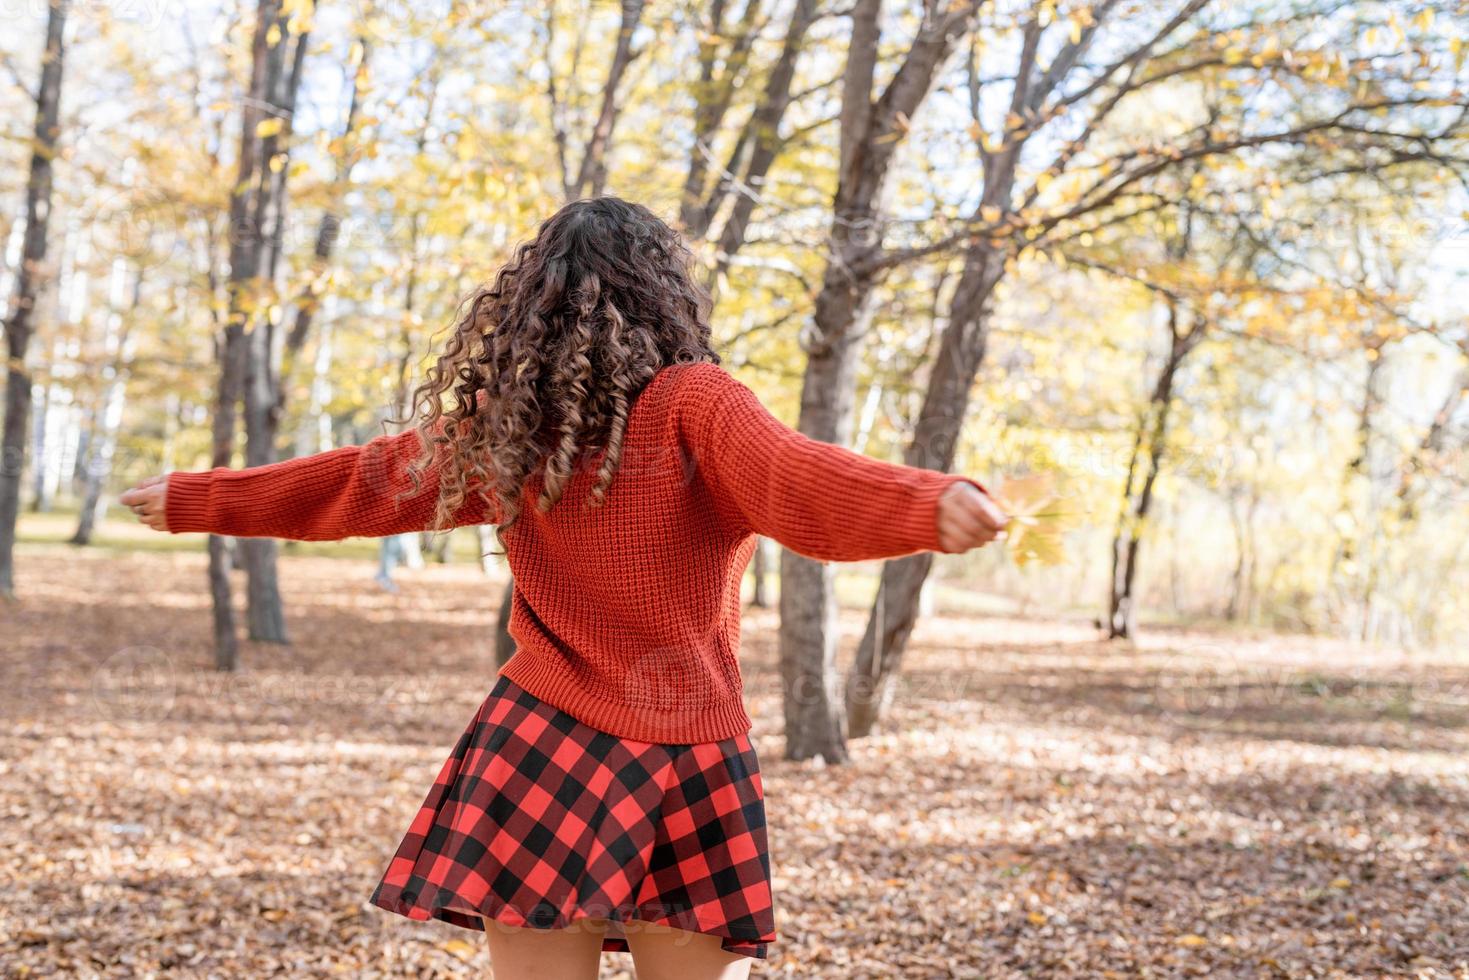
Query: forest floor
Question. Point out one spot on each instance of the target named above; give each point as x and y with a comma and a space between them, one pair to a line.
1039, 803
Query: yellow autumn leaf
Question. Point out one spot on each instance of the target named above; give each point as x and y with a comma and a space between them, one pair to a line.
269, 127
1038, 520
1036, 919
1191, 940
458, 947
990, 213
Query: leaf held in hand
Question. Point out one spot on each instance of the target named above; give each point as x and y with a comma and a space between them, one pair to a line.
1038, 523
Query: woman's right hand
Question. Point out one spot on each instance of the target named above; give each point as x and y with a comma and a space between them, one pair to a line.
968, 518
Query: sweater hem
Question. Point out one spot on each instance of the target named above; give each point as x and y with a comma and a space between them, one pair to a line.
712, 723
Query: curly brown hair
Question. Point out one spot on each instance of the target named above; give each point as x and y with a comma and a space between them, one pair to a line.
544, 363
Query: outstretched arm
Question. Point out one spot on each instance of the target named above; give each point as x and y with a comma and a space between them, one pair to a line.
818, 499
347, 492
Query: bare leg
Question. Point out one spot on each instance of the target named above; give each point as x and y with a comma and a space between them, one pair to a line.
527, 953
661, 952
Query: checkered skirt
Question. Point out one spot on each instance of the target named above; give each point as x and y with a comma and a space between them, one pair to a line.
537, 819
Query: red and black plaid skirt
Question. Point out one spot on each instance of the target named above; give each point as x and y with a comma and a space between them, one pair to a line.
537, 819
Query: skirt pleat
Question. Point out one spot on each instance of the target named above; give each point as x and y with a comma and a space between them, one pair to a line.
537, 819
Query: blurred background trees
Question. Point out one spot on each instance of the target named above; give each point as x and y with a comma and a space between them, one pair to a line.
1195, 259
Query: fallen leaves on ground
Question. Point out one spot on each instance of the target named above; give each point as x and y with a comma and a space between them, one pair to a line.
1038, 803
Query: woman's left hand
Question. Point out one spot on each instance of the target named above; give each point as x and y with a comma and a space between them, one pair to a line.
147, 500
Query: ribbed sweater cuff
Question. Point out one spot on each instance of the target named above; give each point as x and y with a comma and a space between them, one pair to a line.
925, 515
188, 505
552, 684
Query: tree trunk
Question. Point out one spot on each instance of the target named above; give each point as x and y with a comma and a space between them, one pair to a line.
41, 444
115, 376
870, 132
1430, 445
1350, 542
245, 243
760, 570
485, 536
935, 441
28, 279
504, 643
1241, 562
265, 612
813, 723
1149, 445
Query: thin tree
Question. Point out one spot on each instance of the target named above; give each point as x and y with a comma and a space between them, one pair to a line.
29, 277
124, 303
247, 217
262, 248
1185, 330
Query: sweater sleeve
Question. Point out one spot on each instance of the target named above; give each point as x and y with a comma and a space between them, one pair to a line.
346, 492
818, 499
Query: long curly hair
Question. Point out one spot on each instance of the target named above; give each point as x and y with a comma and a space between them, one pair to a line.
543, 364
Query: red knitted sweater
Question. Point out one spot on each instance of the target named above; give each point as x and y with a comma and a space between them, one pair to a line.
625, 616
